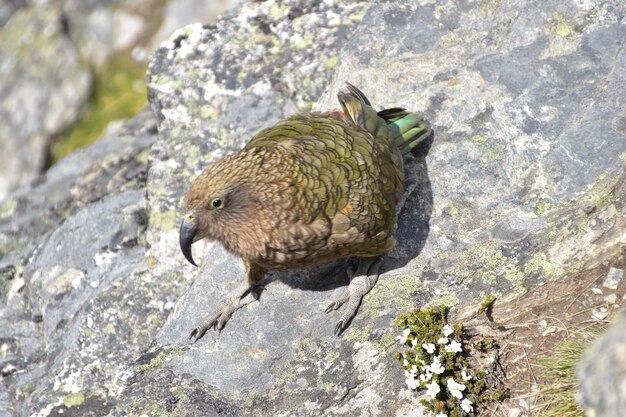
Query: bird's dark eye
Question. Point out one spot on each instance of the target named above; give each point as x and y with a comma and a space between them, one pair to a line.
217, 203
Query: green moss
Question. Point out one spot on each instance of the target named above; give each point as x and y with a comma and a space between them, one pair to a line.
603, 198
277, 11
487, 303
460, 211
331, 356
143, 156
118, 92
543, 206
109, 328
445, 301
487, 261
563, 30
491, 149
622, 156
331, 62
483, 344
479, 139
385, 341
395, 291
540, 261
7, 208
164, 220
157, 362
561, 27
359, 334
74, 400
161, 359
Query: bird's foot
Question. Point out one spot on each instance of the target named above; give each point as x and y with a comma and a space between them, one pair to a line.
362, 281
233, 302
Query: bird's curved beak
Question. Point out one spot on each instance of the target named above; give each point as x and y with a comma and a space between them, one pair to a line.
187, 235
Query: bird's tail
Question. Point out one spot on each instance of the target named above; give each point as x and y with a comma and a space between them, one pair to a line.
404, 129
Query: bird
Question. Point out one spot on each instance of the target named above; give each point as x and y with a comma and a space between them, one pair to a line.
310, 189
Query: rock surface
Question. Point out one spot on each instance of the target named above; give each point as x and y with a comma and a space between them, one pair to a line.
523, 183
47, 51
42, 90
179, 13
600, 373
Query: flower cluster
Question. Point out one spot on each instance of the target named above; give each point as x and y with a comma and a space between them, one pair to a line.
428, 375
436, 362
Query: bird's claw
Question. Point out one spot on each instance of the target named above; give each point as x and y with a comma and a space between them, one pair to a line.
362, 280
340, 327
218, 322
197, 333
332, 306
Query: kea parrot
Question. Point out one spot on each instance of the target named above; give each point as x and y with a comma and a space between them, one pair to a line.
312, 188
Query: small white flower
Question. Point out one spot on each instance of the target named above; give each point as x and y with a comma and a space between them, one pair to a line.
442, 340
455, 388
447, 330
414, 343
425, 377
429, 347
432, 389
454, 347
411, 383
405, 363
414, 369
465, 375
436, 367
466, 405
441, 415
405, 335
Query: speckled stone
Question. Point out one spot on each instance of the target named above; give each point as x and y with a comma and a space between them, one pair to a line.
523, 181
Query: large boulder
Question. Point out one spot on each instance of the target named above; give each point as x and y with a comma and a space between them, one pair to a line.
67, 244
500, 204
523, 183
43, 88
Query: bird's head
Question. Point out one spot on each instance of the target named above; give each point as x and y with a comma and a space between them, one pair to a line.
221, 204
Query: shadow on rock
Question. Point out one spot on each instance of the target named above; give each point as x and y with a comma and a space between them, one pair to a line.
414, 217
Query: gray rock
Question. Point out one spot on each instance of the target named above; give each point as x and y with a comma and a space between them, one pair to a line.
102, 28
601, 376
42, 90
8, 7
179, 13
613, 278
100, 302
69, 245
515, 155
502, 182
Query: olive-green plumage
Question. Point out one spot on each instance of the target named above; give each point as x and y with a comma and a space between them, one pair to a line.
312, 188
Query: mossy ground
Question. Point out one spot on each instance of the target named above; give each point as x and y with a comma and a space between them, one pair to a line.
118, 92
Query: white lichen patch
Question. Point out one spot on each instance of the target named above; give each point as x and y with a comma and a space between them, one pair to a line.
104, 259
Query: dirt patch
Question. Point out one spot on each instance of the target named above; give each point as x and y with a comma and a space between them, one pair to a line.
528, 328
